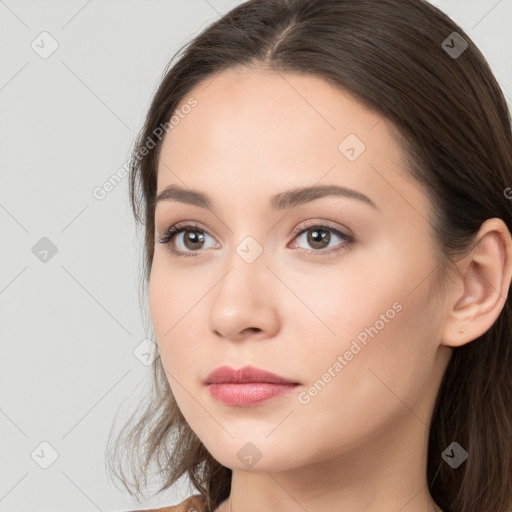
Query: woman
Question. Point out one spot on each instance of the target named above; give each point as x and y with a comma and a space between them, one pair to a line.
324, 188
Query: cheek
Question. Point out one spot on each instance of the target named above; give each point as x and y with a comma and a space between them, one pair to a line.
373, 312
171, 294
160, 298
377, 365
177, 312
165, 303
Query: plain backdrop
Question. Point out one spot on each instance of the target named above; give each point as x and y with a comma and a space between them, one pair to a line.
76, 79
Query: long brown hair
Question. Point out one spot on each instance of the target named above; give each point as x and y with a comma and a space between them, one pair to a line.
401, 59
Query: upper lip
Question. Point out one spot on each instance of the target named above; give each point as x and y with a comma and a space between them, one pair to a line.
245, 374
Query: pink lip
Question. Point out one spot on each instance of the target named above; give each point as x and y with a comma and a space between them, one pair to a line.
248, 394
246, 386
246, 374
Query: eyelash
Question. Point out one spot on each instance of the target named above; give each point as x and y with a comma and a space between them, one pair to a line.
176, 229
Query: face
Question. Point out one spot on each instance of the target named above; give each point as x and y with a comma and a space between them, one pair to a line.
332, 292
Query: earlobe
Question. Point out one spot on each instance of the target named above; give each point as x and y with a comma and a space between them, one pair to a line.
486, 274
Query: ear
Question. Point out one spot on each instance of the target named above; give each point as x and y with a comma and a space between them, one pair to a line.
485, 280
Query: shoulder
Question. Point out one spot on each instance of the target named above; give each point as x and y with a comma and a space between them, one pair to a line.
193, 503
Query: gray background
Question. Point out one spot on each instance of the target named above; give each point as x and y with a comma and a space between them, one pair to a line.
71, 325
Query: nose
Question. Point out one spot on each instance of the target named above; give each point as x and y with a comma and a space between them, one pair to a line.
245, 301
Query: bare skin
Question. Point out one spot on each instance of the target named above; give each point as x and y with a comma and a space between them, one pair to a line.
359, 442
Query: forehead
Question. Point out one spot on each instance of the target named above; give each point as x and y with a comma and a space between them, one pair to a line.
253, 130
268, 110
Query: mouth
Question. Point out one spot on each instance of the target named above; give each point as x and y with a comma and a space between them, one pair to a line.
246, 386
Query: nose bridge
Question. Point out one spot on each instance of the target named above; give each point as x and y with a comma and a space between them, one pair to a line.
243, 298
246, 270
248, 244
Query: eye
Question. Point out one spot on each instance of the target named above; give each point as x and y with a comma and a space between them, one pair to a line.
319, 237
192, 240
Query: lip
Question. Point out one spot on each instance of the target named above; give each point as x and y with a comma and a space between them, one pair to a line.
246, 374
246, 386
248, 394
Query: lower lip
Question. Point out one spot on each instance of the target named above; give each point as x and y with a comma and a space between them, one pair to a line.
247, 394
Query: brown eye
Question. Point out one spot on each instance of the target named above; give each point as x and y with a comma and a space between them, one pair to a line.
193, 239
191, 242
318, 237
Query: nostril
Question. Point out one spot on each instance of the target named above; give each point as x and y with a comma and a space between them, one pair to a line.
253, 329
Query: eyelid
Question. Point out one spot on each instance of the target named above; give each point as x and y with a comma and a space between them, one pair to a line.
321, 223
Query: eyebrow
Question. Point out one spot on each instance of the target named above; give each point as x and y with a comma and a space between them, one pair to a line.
282, 201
